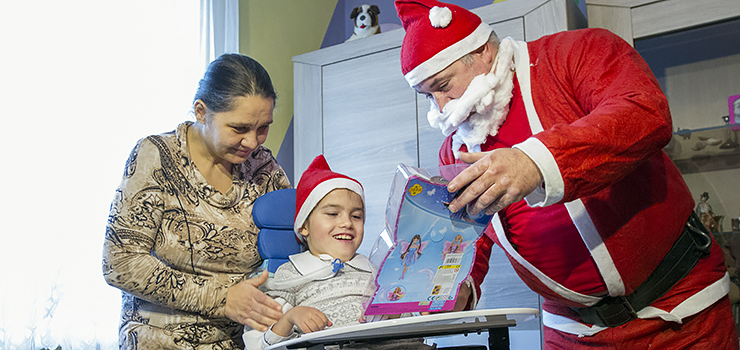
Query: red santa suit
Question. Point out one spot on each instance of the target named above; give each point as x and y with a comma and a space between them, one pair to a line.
589, 112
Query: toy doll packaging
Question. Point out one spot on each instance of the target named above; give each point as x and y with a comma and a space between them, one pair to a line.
433, 248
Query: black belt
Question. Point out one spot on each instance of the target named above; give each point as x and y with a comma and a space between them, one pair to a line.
693, 244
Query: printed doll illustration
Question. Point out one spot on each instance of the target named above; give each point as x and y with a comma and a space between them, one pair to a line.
411, 252
396, 294
456, 246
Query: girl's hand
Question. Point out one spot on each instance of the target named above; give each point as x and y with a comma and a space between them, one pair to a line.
249, 306
306, 318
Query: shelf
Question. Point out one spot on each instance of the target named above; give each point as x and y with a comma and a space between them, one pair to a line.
705, 149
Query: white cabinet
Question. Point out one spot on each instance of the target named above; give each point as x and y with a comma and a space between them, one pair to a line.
353, 105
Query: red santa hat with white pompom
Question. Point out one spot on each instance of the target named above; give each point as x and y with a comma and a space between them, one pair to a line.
437, 34
316, 182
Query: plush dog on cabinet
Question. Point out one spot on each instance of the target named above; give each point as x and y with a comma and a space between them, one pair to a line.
365, 18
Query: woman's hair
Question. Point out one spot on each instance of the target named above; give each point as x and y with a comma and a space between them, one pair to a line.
230, 76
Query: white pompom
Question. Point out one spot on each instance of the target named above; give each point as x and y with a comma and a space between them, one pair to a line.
440, 16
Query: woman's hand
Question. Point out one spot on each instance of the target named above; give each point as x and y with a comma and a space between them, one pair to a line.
249, 306
306, 318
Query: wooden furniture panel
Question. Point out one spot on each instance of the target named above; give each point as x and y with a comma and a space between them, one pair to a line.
649, 17
353, 105
616, 19
670, 15
307, 120
368, 99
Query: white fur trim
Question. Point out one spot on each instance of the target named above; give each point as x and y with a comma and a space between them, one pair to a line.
521, 60
440, 17
595, 244
554, 186
567, 325
449, 55
547, 281
691, 306
474, 293
554, 189
318, 193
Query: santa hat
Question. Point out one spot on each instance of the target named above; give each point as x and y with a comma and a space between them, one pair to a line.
437, 34
316, 182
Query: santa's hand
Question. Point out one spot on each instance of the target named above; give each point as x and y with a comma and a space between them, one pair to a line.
494, 180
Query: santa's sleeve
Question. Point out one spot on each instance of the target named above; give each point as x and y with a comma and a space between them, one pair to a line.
624, 117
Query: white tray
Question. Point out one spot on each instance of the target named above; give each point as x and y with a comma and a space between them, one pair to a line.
447, 323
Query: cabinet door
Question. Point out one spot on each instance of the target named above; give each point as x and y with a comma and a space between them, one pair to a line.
369, 127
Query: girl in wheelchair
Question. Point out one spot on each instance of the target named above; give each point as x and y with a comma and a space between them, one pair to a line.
325, 285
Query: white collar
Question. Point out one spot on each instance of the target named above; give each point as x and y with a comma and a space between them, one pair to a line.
306, 262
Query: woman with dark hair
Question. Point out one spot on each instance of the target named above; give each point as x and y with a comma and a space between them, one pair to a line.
180, 240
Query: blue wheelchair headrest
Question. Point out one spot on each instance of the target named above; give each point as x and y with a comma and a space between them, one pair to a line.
273, 213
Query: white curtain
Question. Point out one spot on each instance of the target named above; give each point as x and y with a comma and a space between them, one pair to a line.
80, 82
219, 28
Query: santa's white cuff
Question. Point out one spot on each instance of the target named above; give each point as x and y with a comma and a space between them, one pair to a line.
471, 284
554, 188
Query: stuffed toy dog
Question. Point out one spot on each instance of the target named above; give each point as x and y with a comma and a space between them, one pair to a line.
366, 21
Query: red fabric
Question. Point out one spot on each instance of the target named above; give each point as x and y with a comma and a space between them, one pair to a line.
417, 46
567, 263
605, 122
316, 173
707, 330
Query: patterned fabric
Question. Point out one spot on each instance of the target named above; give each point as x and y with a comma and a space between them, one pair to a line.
174, 244
339, 298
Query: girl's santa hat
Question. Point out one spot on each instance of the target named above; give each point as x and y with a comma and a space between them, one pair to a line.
316, 182
437, 34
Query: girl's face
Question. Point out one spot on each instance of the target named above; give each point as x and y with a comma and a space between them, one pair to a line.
415, 241
335, 226
232, 136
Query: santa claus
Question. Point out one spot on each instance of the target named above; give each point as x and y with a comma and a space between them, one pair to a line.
565, 134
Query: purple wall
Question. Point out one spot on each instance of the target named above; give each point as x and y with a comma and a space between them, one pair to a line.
341, 26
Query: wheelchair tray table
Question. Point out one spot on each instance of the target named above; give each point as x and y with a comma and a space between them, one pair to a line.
439, 324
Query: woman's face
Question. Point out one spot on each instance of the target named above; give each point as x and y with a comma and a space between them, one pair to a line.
231, 136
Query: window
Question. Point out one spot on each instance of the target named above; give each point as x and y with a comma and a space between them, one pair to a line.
80, 81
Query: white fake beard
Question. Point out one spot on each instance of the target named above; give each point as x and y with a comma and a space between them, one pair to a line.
487, 97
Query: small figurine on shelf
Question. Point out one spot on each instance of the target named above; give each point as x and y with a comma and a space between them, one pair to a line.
729, 143
365, 18
704, 210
